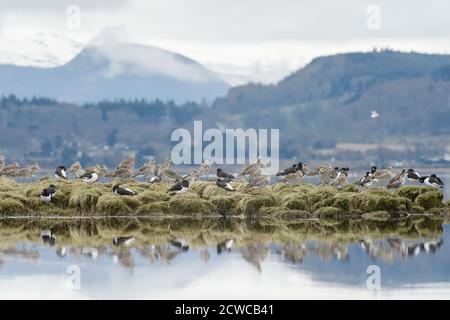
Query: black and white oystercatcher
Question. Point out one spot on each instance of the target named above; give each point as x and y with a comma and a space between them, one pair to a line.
365, 181
89, 177
179, 187
61, 173
432, 181
223, 175
48, 193
290, 170
224, 184
123, 191
412, 175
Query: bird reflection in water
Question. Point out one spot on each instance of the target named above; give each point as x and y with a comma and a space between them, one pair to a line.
386, 250
255, 253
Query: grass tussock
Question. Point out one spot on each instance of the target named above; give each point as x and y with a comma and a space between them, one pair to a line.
11, 207
114, 205
205, 198
85, 200
7, 184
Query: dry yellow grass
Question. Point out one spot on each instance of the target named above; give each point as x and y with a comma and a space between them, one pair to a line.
205, 199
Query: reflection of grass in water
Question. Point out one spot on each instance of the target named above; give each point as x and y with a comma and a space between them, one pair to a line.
209, 232
205, 198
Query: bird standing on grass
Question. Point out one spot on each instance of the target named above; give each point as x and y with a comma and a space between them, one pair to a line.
123, 191
47, 194
89, 177
170, 174
76, 169
25, 172
34, 169
386, 174
252, 169
164, 171
179, 187
157, 177
204, 168
154, 179
341, 178
326, 174
197, 173
28, 171
11, 169
412, 175
398, 180
304, 169
166, 164
432, 181
223, 175
365, 181
100, 169
61, 173
224, 184
125, 168
258, 180
284, 172
292, 178
147, 169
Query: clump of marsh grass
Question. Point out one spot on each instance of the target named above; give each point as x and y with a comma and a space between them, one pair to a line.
10, 206
7, 184
113, 205
190, 204
252, 205
157, 207
430, 200
147, 197
412, 192
224, 204
85, 200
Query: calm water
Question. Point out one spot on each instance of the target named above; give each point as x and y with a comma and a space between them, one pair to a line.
269, 260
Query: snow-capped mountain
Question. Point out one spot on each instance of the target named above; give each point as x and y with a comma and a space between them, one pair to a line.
107, 71
43, 50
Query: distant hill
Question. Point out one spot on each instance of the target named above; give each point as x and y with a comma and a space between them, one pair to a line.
332, 98
394, 105
116, 71
335, 76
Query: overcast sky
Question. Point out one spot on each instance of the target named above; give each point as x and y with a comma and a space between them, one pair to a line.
261, 40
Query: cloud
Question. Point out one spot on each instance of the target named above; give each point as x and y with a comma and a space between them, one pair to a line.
57, 5
189, 281
124, 57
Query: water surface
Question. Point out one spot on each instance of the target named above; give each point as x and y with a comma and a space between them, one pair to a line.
267, 259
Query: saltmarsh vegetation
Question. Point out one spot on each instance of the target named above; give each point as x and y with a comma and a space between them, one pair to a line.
305, 201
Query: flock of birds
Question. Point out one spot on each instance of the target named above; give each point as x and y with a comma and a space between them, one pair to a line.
338, 177
254, 174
